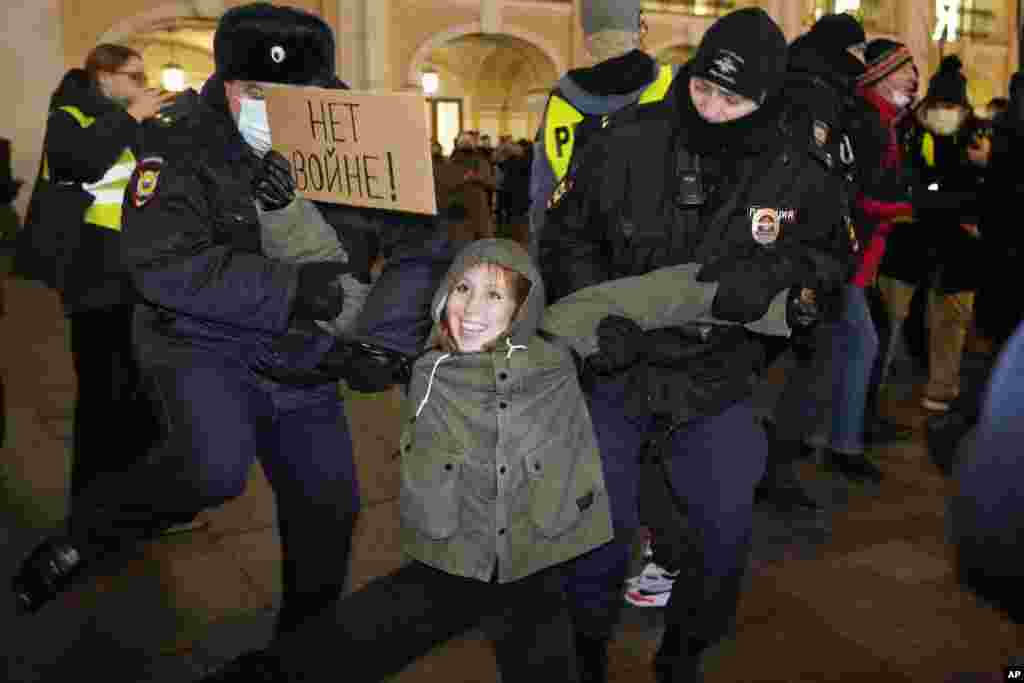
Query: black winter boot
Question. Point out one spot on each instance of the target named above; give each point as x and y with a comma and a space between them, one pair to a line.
46, 572
856, 467
781, 487
255, 666
674, 663
678, 658
591, 658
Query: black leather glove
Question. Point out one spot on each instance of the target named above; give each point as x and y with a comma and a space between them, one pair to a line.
272, 185
365, 368
319, 295
620, 344
747, 287
803, 315
802, 311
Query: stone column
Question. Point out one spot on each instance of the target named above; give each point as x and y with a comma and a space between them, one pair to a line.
350, 39
577, 51
32, 62
789, 16
1015, 54
378, 44
491, 15
916, 23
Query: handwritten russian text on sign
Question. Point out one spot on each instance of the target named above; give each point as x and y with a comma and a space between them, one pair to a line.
357, 148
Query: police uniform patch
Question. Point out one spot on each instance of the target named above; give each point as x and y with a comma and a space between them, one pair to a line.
765, 225
147, 175
820, 133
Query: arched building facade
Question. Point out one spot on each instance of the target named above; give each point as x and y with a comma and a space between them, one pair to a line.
494, 59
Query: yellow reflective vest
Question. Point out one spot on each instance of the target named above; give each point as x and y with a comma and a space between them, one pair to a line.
561, 119
109, 190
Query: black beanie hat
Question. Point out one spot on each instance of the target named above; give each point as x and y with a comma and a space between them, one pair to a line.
744, 52
882, 57
264, 42
829, 41
948, 84
839, 31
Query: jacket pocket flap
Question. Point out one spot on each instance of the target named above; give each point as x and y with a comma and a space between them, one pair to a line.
430, 493
556, 504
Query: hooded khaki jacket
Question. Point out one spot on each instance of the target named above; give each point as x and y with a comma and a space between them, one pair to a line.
501, 475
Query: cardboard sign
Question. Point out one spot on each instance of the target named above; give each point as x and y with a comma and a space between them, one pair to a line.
356, 148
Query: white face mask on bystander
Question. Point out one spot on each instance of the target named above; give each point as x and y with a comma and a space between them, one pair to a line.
944, 121
254, 125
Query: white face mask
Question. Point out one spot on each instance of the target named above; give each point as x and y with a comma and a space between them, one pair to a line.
943, 121
254, 125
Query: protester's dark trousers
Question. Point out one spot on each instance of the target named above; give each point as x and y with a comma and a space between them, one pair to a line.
380, 629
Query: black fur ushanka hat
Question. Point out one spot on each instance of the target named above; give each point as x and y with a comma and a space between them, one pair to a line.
273, 44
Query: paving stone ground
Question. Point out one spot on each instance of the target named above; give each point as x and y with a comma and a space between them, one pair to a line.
862, 593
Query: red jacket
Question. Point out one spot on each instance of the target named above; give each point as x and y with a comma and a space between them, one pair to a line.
884, 212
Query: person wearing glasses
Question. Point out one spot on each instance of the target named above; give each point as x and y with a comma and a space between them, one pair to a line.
95, 121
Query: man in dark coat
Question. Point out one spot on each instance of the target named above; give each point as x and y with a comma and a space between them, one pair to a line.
227, 335
720, 173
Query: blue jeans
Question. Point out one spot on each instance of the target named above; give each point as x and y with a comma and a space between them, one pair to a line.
854, 356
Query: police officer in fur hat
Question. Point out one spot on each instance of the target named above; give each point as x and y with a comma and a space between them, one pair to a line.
227, 336
718, 172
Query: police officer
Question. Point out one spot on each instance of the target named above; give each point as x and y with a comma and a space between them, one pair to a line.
720, 172
226, 335
623, 75
71, 242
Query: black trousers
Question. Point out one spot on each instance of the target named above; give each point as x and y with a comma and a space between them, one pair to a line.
218, 418
380, 629
114, 421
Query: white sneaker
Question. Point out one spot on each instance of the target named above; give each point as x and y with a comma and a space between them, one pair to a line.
652, 587
935, 405
641, 599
